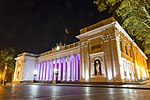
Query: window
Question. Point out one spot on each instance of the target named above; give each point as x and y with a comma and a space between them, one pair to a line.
131, 54
121, 48
126, 50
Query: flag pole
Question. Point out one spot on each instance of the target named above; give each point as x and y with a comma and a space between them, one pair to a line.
66, 32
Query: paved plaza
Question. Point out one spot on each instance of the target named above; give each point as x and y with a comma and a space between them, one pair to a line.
74, 92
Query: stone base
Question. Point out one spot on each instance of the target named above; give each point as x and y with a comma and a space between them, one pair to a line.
98, 78
15, 82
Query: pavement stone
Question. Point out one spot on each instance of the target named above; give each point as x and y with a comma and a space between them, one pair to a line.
141, 85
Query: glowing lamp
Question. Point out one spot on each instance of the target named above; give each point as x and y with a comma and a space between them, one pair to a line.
35, 72
58, 48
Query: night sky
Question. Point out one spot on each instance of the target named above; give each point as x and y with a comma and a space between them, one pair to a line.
37, 25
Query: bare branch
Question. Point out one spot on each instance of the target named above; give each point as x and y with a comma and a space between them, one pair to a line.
146, 25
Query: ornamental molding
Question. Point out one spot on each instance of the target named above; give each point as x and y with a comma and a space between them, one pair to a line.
97, 30
110, 36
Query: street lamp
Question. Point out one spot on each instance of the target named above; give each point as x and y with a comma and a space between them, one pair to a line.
34, 74
56, 71
4, 74
0, 78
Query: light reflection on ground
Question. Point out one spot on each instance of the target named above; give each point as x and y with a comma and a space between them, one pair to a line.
40, 92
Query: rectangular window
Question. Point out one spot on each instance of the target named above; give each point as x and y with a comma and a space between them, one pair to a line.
121, 48
126, 50
131, 54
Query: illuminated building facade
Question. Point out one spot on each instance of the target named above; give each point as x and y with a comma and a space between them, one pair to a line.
105, 53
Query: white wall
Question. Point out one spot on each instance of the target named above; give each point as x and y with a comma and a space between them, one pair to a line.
29, 67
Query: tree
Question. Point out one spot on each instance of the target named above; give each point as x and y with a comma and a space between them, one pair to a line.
7, 59
133, 15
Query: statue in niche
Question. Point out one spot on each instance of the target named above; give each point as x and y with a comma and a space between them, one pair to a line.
97, 67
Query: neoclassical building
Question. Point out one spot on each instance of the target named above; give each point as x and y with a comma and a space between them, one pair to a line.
104, 53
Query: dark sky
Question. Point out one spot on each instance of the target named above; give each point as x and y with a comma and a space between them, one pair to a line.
37, 25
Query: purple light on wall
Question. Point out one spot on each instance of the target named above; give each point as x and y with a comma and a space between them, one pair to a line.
39, 72
61, 71
77, 66
71, 69
42, 70
45, 70
52, 70
49, 68
57, 67
74, 69
36, 66
66, 70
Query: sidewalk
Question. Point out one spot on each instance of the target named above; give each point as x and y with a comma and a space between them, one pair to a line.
127, 86
141, 85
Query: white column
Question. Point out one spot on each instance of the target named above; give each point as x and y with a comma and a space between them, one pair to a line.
44, 67
41, 70
38, 70
47, 70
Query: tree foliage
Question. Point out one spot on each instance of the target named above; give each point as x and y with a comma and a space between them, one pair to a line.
7, 57
133, 15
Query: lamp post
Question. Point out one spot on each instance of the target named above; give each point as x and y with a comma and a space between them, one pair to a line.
56, 71
4, 74
34, 75
0, 78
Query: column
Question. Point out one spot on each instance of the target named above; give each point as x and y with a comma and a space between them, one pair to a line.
47, 70
59, 69
77, 66
55, 66
74, 67
107, 57
52, 71
71, 67
84, 52
41, 65
116, 57
86, 61
82, 62
38, 70
68, 69
64, 68
44, 69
